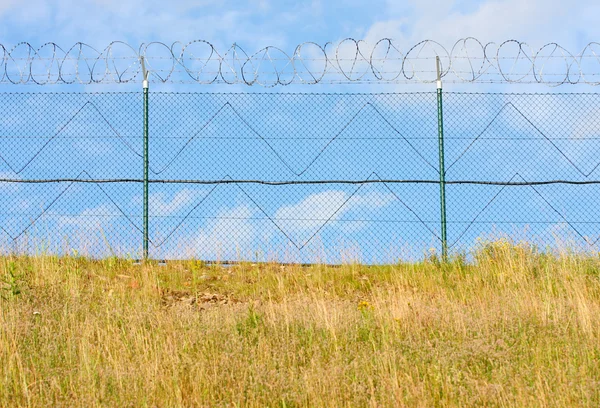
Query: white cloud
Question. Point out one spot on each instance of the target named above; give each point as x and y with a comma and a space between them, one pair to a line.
163, 204
312, 212
495, 20
97, 217
536, 22
102, 21
261, 22
231, 234
309, 213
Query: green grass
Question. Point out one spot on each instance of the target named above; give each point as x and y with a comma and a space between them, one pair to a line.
513, 328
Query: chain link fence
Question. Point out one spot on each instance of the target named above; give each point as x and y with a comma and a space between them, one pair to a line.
295, 177
541, 151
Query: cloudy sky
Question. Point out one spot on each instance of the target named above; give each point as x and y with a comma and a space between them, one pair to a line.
256, 24
75, 128
285, 23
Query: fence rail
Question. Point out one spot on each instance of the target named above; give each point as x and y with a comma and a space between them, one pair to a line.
296, 177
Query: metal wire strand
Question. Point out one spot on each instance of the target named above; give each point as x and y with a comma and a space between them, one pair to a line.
348, 61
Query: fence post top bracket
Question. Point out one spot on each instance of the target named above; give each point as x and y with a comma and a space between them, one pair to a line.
144, 73
438, 67
439, 72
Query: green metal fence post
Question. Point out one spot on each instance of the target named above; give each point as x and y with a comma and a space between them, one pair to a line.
442, 166
146, 160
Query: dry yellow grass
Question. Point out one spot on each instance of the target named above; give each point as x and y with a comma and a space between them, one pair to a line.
513, 328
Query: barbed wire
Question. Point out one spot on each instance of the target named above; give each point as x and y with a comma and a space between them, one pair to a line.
347, 61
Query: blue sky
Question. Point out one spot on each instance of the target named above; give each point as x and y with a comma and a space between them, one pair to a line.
234, 217
286, 23
256, 24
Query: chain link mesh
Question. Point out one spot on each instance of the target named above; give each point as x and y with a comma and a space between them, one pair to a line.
295, 177
77, 137
234, 138
524, 140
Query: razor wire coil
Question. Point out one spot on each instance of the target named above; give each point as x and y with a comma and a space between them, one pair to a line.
468, 60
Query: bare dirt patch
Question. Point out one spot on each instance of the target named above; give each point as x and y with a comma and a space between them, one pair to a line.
200, 301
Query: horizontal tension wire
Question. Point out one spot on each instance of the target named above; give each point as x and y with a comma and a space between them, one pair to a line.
297, 182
